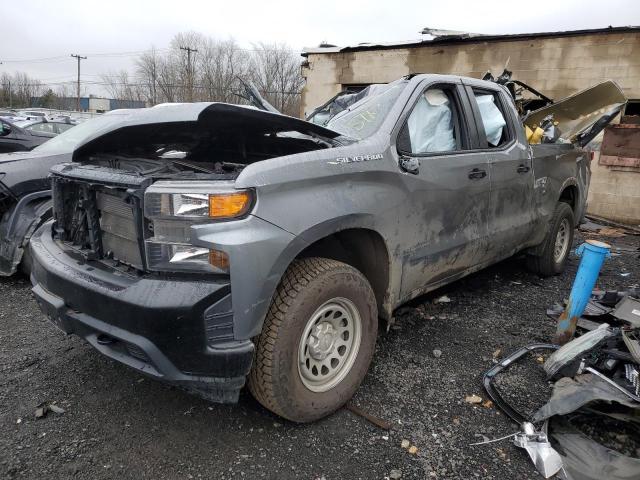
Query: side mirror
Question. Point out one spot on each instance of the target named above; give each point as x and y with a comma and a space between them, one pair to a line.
410, 165
6, 129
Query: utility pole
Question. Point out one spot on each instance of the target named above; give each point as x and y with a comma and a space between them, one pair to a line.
189, 70
79, 58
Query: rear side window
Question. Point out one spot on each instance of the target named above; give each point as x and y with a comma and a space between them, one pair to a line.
434, 123
493, 118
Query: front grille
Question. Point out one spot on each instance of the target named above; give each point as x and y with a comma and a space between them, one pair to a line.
100, 222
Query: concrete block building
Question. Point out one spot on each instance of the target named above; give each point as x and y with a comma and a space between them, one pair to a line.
557, 64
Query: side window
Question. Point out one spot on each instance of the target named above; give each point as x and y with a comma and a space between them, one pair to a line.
63, 127
433, 125
42, 127
493, 118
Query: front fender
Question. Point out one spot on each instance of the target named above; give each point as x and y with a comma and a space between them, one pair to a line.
259, 253
17, 226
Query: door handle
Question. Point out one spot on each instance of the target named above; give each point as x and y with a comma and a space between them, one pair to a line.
476, 174
523, 169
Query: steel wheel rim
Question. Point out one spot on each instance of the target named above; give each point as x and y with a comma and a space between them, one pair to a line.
329, 344
562, 241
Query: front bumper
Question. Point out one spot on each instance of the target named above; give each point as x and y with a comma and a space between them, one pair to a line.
160, 326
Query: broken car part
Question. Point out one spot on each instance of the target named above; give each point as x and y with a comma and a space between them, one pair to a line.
521, 92
490, 376
582, 115
571, 394
541, 453
566, 360
631, 339
628, 310
593, 254
583, 458
632, 396
633, 377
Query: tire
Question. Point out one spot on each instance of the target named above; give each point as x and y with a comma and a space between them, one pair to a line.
551, 261
313, 293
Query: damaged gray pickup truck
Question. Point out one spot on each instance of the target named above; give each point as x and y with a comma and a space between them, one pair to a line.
205, 243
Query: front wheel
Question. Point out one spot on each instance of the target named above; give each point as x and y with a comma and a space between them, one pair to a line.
317, 341
556, 245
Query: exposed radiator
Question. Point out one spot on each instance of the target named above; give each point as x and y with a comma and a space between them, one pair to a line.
118, 230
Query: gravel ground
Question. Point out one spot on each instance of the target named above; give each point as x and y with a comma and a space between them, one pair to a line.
118, 424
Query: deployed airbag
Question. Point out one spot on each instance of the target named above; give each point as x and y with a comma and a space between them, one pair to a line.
431, 124
492, 118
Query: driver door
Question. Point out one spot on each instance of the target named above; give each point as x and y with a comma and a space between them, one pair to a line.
448, 186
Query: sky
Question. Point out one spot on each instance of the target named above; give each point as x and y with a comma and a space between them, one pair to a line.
111, 33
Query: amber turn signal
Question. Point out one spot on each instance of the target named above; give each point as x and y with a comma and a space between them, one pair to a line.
229, 205
219, 260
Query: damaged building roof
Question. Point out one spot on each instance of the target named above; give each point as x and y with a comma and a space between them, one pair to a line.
439, 36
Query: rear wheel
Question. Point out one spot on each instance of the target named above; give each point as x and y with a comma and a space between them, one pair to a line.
556, 246
317, 341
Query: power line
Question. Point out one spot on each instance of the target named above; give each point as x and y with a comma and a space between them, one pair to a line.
126, 54
148, 84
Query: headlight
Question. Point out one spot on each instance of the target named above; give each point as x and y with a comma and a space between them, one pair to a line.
222, 206
171, 208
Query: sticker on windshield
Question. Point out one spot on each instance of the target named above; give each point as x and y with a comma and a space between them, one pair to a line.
356, 158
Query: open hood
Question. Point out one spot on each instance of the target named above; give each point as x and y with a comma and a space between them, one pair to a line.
583, 115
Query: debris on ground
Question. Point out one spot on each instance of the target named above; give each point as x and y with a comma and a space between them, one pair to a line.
547, 461
395, 474
442, 299
437, 353
474, 399
405, 444
44, 408
378, 422
589, 425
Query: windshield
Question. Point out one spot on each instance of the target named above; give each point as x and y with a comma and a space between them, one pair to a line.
68, 141
364, 118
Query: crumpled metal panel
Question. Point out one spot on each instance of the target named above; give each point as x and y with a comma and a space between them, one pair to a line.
579, 112
570, 394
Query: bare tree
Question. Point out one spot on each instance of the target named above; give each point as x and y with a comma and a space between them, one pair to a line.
66, 96
212, 73
220, 63
121, 86
276, 73
19, 90
148, 69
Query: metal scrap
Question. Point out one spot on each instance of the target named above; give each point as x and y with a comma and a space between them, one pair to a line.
547, 461
628, 310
